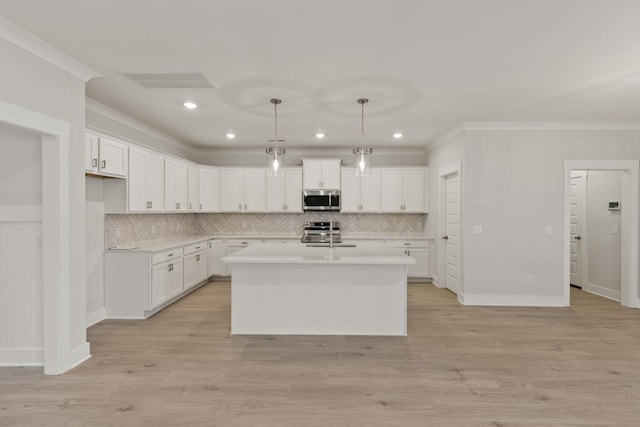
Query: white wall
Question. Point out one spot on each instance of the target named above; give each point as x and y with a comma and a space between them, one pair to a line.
95, 249
603, 234
21, 317
37, 85
514, 188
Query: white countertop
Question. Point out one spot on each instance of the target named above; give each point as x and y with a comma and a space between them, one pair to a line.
275, 253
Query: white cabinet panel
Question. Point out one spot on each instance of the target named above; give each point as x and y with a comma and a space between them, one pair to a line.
146, 181
370, 192
284, 193
360, 193
391, 190
195, 268
403, 190
91, 153
350, 191
104, 156
208, 194
418, 250
243, 190
321, 174
166, 281
413, 190
192, 188
217, 250
175, 186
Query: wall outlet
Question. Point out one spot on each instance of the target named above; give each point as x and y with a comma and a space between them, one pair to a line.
530, 279
419, 225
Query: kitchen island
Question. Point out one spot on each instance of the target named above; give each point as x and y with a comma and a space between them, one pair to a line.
293, 289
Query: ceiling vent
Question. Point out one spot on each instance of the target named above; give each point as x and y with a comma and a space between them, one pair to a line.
157, 79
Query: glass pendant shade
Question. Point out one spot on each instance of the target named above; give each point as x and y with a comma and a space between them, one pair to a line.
275, 161
362, 160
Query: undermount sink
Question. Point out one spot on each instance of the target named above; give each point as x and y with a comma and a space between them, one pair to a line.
335, 245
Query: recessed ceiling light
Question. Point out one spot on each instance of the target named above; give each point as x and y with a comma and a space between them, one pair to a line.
319, 135
397, 135
190, 105
230, 135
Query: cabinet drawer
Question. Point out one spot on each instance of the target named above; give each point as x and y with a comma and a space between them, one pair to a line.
242, 242
167, 255
195, 247
409, 243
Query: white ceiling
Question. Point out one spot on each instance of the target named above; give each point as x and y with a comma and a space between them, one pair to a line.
425, 65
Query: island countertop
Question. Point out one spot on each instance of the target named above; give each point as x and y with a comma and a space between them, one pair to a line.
275, 253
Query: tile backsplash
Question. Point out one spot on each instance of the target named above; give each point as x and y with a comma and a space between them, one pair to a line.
134, 228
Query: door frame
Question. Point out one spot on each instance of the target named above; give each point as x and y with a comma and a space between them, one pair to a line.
443, 173
57, 354
630, 209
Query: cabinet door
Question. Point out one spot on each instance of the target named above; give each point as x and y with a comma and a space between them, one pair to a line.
113, 157
207, 189
254, 190
369, 191
231, 190
413, 190
312, 174
166, 281
137, 181
276, 193
192, 188
331, 174
421, 267
293, 190
90, 153
195, 269
391, 190
217, 251
175, 186
350, 193
155, 182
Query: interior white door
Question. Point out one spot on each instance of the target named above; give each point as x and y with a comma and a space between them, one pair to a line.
451, 234
577, 196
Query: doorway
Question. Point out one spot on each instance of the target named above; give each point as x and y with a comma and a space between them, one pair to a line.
450, 226
605, 216
55, 354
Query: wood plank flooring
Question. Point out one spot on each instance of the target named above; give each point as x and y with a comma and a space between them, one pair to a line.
459, 366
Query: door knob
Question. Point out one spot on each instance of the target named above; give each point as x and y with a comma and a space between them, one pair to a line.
445, 237
578, 238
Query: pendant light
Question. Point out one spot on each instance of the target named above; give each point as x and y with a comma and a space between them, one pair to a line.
275, 154
362, 153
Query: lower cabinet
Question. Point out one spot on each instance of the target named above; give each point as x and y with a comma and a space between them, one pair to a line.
139, 284
418, 250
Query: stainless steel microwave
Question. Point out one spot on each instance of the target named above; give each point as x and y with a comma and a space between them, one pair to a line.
321, 200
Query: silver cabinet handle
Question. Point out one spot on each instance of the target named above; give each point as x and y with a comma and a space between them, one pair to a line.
200, 206
445, 237
197, 257
210, 244
197, 247
170, 267
169, 255
177, 205
104, 164
190, 207
578, 238
284, 207
95, 163
240, 207
245, 207
148, 205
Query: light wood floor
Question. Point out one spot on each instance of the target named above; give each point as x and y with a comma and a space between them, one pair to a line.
459, 366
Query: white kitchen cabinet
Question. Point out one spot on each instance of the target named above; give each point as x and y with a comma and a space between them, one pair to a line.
192, 188
321, 174
166, 281
195, 267
243, 190
104, 156
418, 250
146, 179
403, 190
360, 193
217, 249
208, 189
175, 186
284, 193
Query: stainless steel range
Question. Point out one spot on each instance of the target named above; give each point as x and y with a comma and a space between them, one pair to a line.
321, 232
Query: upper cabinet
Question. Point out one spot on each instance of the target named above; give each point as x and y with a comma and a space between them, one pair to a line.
403, 190
104, 156
175, 186
321, 174
192, 188
284, 193
208, 193
360, 193
146, 178
242, 190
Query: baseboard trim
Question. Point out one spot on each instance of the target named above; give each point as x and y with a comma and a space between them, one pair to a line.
22, 357
96, 316
79, 355
601, 291
513, 300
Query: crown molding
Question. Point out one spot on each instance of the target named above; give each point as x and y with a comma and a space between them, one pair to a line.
103, 110
533, 125
38, 47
